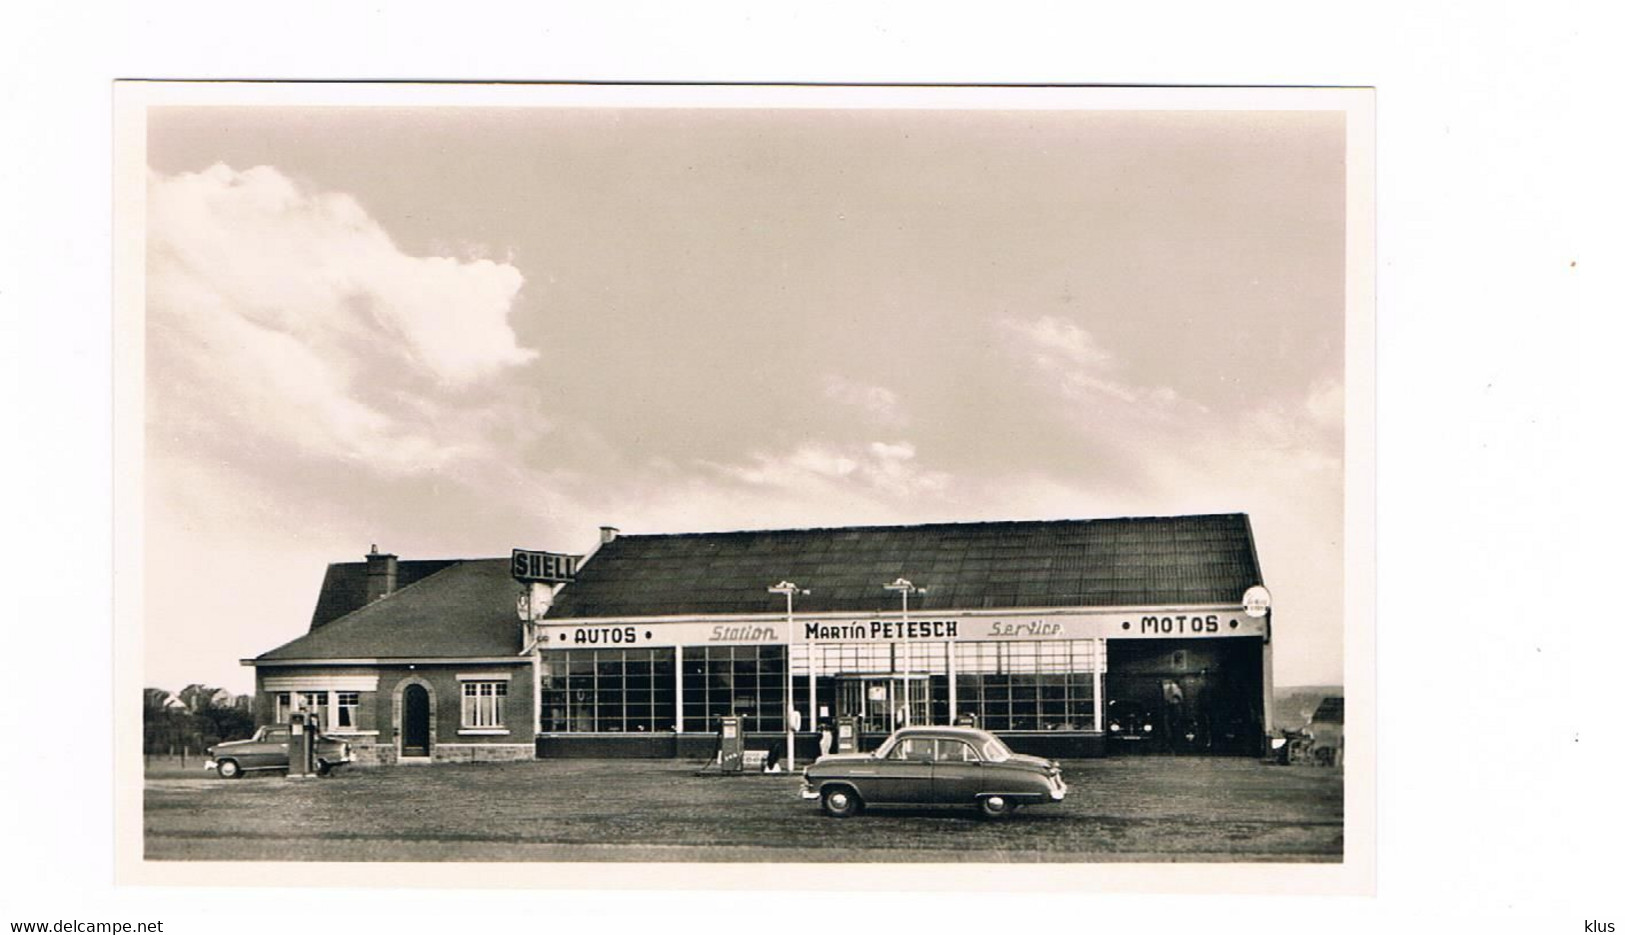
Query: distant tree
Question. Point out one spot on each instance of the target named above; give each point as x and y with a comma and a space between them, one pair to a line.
157, 720
198, 697
223, 721
197, 717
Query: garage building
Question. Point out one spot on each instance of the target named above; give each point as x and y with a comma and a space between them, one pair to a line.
1067, 638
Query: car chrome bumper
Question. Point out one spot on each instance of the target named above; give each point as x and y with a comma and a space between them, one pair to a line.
1057, 790
210, 764
808, 792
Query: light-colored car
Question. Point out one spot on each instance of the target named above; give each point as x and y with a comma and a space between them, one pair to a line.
268, 749
934, 766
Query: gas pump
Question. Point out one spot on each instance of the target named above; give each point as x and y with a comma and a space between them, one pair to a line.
301, 745
730, 746
846, 735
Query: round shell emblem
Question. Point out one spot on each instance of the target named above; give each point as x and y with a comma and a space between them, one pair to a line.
1256, 602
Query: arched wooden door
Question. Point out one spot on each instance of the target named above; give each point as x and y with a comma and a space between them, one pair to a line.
415, 721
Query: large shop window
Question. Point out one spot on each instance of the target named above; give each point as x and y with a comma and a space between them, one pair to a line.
1030, 685
610, 690
853, 658
483, 703
741, 681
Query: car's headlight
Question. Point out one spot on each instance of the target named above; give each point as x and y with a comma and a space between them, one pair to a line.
1277, 743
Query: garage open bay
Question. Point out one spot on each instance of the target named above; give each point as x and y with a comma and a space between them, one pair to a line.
1127, 809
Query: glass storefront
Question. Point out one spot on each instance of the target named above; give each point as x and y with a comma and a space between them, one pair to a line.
1029, 686
741, 681
1007, 685
609, 691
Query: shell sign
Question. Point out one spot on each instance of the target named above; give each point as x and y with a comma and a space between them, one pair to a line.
1256, 602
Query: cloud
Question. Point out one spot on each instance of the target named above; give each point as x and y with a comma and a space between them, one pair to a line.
878, 403
286, 319
1280, 460
878, 467
1083, 370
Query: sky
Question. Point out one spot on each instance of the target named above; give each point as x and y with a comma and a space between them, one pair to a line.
454, 331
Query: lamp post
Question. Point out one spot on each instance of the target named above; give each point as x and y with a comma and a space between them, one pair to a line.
906, 587
789, 590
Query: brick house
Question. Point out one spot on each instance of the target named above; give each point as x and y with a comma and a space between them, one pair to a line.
411, 661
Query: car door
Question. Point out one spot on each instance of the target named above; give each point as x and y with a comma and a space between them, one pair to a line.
904, 774
269, 750
957, 774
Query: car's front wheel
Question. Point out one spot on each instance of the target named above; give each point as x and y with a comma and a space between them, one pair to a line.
230, 770
841, 802
995, 806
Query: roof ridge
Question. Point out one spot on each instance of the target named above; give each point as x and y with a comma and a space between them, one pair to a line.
464, 601
959, 523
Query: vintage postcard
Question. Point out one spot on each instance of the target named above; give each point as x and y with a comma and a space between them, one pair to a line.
974, 481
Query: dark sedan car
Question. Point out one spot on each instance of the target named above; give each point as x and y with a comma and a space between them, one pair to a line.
934, 766
268, 750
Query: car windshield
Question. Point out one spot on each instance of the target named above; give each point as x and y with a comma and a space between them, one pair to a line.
994, 750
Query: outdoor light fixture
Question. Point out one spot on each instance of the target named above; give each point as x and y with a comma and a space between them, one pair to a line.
906, 587
789, 590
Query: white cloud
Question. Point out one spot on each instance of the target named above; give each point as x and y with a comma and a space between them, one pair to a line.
880, 404
1280, 461
288, 315
1080, 367
878, 467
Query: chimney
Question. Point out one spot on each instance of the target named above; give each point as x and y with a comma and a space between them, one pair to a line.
381, 574
607, 534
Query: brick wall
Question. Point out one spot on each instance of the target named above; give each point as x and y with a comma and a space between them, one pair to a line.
379, 711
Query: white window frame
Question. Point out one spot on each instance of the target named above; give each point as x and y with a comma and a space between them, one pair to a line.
287, 691
484, 706
339, 707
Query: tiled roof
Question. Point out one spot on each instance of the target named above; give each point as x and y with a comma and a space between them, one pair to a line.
1330, 710
344, 588
1139, 561
465, 609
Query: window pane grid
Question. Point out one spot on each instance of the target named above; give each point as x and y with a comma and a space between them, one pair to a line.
483, 703
1029, 685
1011, 685
609, 691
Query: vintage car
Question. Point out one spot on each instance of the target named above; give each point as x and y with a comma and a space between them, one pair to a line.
933, 766
268, 749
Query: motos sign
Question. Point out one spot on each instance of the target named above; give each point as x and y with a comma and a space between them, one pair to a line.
1207, 623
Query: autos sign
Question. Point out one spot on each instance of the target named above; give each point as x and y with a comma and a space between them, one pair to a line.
1206, 623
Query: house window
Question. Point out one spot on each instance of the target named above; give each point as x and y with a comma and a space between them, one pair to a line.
315, 703
338, 710
483, 703
344, 716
